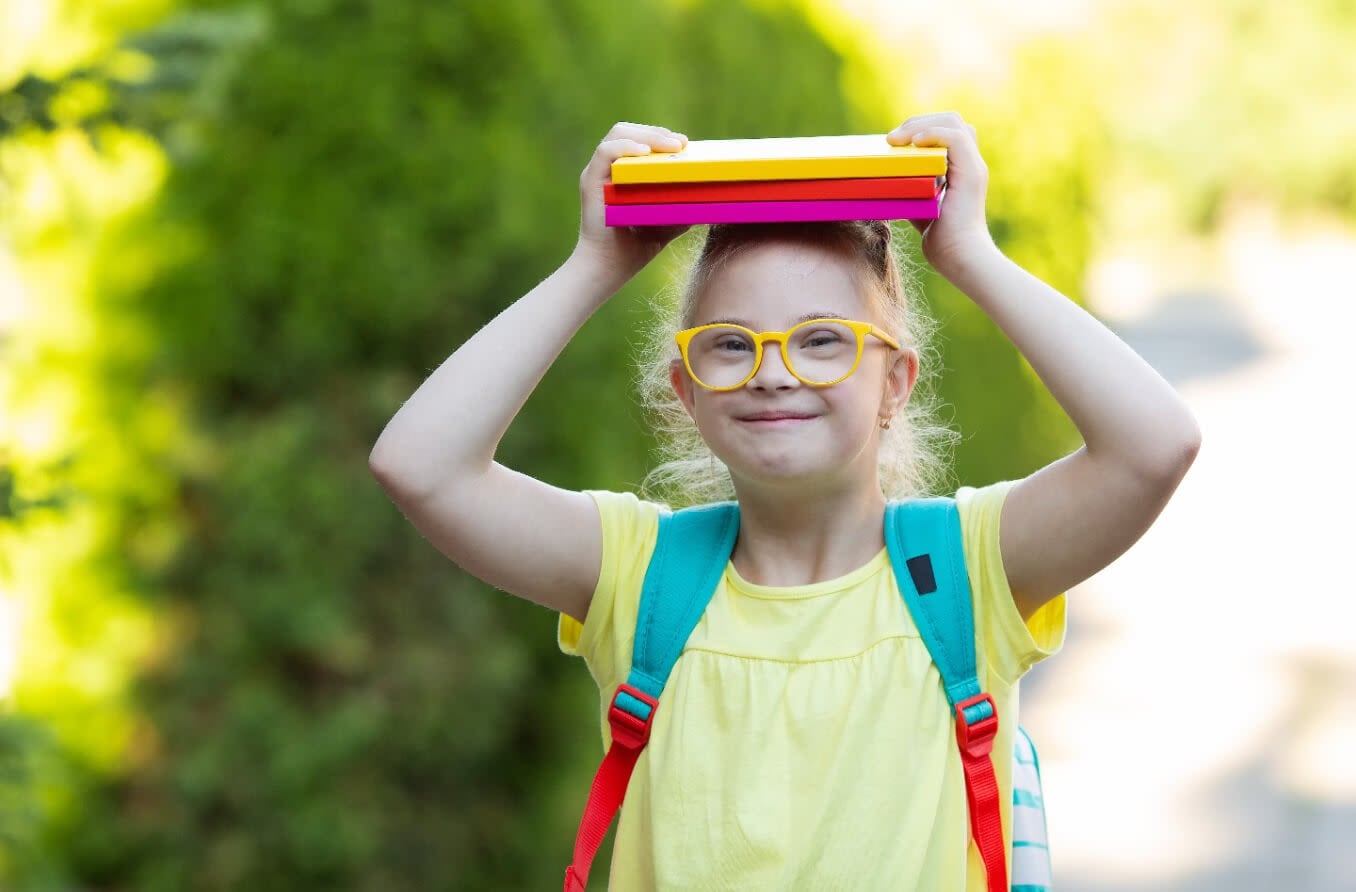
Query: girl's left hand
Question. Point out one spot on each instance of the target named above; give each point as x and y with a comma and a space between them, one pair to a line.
962, 227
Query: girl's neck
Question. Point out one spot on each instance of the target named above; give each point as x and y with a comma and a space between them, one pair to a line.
802, 538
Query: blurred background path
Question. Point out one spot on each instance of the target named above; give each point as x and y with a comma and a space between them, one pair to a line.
1225, 761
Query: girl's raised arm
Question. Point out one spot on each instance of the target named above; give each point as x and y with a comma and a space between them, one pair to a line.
436, 456
1073, 517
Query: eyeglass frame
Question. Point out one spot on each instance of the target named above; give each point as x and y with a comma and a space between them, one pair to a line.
860, 329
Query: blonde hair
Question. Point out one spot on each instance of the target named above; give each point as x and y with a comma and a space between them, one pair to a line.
913, 450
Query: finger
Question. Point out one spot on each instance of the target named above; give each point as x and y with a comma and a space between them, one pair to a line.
904, 133
661, 139
962, 155
599, 168
630, 139
948, 118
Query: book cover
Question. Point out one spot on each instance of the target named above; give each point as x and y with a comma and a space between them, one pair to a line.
782, 158
772, 190
771, 211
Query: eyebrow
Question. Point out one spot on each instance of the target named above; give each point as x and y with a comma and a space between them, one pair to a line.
806, 317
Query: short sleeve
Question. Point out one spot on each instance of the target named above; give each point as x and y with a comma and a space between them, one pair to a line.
1010, 645
604, 639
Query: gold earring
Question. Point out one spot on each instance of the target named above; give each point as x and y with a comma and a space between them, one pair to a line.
885, 424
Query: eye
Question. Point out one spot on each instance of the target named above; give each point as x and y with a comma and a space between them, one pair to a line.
822, 337
732, 342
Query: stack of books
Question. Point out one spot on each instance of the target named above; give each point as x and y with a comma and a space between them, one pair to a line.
777, 180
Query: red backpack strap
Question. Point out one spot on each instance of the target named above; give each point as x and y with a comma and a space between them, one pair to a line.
691, 550
630, 733
975, 733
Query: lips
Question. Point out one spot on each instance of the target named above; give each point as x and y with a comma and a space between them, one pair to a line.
777, 416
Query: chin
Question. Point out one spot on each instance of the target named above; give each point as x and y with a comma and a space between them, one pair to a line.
816, 469
785, 470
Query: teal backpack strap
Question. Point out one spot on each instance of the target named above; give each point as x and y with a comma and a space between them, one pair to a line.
923, 537
690, 555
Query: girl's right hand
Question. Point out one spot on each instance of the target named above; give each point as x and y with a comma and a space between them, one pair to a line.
622, 251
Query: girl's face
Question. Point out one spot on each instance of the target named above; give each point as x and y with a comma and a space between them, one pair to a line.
776, 429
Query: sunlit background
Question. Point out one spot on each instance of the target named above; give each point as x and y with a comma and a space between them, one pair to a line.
235, 236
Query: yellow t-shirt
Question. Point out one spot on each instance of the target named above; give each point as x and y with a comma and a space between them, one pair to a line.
804, 740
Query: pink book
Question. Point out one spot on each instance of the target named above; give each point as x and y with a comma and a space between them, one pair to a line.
772, 211
772, 190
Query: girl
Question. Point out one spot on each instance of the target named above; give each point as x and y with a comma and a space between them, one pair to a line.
804, 741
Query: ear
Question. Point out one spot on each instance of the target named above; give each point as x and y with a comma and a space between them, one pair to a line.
900, 378
682, 384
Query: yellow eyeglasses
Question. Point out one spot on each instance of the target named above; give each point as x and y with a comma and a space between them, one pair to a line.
819, 352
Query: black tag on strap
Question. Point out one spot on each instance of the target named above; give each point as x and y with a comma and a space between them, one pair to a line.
920, 568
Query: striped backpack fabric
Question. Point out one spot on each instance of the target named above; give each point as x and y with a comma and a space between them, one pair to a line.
923, 537
1030, 850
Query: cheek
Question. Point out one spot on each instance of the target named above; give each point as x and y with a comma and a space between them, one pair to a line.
704, 409
863, 404
864, 418
861, 423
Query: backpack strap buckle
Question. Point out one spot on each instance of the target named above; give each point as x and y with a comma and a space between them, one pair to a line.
976, 725
630, 716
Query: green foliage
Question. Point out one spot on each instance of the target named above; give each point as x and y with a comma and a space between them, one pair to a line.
329, 703
22, 745
1234, 100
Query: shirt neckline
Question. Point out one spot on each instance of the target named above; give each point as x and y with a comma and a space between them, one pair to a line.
851, 579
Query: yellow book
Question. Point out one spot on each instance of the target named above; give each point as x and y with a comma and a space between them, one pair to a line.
782, 158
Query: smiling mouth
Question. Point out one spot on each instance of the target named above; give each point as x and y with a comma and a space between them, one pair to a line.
775, 418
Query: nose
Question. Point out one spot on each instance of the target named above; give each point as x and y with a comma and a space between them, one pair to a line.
772, 373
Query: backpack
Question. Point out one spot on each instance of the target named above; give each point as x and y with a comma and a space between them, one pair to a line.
923, 537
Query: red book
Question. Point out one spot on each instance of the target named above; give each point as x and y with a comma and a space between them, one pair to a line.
773, 190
